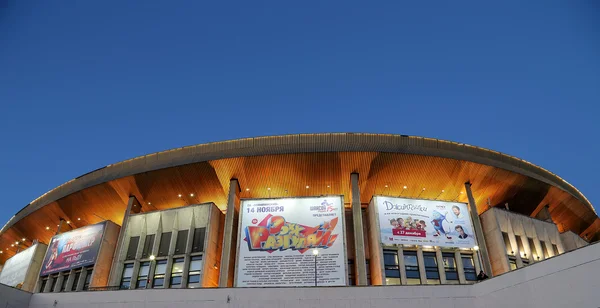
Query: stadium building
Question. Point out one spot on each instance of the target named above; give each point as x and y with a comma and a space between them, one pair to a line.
345, 219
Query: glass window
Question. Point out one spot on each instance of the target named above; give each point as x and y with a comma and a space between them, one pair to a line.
88, 279
534, 253
509, 249
469, 267
54, 280
65, 279
392, 270
176, 272
194, 272
76, 281
148, 246
198, 241
142, 278
351, 273
181, 242
450, 266
545, 249
159, 274
132, 248
521, 247
431, 268
43, 284
512, 262
165, 242
126, 277
555, 249
411, 266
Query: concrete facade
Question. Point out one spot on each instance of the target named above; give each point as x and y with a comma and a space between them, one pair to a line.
540, 285
22, 270
520, 239
148, 230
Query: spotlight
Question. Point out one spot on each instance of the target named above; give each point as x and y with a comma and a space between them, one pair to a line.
47, 228
307, 187
191, 195
405, 187
179, 195
247, 189
78, 219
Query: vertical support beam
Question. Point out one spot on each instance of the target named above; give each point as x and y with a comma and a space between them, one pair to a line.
421, 262
133, 205
229, 234
402, 266
359, 238
60, 225
440, 264
478, 231
460, 267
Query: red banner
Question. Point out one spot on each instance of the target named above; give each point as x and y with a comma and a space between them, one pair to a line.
415, 233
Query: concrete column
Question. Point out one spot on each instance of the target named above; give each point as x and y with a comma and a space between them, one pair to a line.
81, 280
440, 264
402, 266
59, 281
117, 265
359, 238
134, 275
48, 286
421, 262
478, 231
233, 205
459, 267
70, 280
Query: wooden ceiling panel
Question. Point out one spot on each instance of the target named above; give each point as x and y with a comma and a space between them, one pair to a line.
288, 175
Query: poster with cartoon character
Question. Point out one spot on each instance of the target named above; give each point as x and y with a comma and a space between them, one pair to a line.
277, 237
424, 222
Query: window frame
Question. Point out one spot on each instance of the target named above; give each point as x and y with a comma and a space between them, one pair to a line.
124, 278
469, 270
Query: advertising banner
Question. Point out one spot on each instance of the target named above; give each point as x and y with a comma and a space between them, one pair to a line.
14, 270
278, 237
73, 249
424, 222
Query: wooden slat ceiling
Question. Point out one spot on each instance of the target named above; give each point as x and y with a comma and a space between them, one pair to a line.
289, 175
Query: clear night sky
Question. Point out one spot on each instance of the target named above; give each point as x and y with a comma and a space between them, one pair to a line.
87, 83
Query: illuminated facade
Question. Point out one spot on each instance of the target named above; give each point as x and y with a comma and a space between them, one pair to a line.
374, 209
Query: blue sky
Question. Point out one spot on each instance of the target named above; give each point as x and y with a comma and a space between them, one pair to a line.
84, 84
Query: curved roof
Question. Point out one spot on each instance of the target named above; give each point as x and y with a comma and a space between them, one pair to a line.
384, 150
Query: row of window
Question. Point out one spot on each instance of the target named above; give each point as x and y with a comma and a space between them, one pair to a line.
143, 281
535, 255
432, 274
165, 243
53, 280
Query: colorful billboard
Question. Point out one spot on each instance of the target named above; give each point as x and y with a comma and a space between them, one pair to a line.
15, 269
424, 222
73, 249
278, 237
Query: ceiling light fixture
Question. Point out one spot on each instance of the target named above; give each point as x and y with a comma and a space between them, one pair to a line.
307, 187
405, 187
78, 219
149, 203
268, 188
47, 228
68, 222
191, 195
179, 195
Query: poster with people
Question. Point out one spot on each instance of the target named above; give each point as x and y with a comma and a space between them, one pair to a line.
73, 249
278, 238
424, 222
